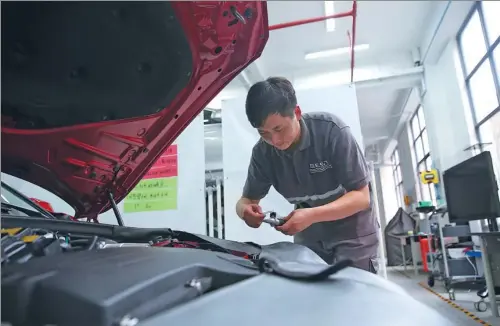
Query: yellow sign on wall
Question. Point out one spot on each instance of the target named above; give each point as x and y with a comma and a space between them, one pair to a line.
428, 177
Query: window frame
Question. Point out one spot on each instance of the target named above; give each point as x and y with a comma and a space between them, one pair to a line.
418, 139
488, 56
398, 184
494, 66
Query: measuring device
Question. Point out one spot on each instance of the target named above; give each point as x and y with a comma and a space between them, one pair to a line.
273, 219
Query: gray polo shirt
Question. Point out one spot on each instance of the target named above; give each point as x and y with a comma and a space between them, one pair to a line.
325, 164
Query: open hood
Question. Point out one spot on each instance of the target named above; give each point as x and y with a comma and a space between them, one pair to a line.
94, 92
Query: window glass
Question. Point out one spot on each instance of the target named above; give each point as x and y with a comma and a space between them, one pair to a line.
490, 133
426, 193
419, 150
399, 175
472, 43
415, 128
421, 167
496, 60
11, 198
432, 191
400, 195
425, 142
491, 14
428, 162
483, 92
421, 118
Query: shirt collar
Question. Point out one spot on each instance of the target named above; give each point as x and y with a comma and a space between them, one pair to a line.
304, 141
305, 137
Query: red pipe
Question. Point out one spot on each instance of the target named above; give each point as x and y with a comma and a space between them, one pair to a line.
309, 20
352, 40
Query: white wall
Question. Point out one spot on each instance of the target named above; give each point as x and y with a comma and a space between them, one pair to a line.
444, 105
239, 138
213, 147
446, 111
190, 213
447, 117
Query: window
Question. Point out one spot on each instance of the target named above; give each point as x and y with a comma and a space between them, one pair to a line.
398, 178
422, 153
478, 43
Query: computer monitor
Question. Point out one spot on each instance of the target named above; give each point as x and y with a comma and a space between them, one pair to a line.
471, 190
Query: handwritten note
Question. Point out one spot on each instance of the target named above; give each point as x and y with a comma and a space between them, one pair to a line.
157, 191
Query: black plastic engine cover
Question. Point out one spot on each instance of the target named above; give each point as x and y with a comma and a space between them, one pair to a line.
146, 286
101, 287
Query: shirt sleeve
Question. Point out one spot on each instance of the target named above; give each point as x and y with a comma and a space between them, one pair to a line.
349, 161
258, 182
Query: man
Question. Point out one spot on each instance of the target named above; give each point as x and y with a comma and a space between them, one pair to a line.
314, 162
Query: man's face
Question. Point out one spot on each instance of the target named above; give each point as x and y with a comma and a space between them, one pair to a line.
281, 132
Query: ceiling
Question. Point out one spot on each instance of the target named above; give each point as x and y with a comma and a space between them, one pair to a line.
383, 75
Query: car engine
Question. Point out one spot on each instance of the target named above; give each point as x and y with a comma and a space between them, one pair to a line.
104, 282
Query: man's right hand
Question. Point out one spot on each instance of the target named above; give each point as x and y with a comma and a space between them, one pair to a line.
252, 215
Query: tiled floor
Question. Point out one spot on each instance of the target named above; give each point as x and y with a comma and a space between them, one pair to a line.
464, 299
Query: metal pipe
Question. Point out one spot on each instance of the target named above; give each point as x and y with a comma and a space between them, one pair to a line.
352, 13
210, 192
218, 190
118, 216
353, 39
309, 20
382, 262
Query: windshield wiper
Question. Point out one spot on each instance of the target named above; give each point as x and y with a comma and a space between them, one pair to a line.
26, 200
112, 232
13, 208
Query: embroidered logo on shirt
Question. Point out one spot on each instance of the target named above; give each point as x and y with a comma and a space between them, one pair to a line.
319, 167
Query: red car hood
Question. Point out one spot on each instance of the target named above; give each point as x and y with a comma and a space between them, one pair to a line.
94, 92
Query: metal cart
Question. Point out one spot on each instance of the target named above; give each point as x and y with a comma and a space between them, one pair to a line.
455, 273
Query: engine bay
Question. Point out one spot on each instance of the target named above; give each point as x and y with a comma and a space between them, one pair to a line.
107, 286
108, 274
104, 280
58, 271
105, 274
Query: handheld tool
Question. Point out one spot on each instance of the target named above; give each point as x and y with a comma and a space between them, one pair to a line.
273, 219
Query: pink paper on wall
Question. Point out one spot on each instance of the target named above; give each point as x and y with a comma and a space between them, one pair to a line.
166, 166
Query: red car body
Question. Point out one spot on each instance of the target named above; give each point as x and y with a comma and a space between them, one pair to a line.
81, 161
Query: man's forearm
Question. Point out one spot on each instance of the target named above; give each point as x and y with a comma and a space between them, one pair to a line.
347, 205
242, 202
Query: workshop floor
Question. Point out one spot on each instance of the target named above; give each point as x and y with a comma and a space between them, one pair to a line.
464, 300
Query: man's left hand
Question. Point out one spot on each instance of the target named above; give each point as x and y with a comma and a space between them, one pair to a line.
297, 221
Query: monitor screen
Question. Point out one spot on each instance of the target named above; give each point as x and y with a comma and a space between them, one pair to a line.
471, 189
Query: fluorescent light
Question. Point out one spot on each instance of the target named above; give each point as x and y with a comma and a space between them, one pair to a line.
330, 10
334, 52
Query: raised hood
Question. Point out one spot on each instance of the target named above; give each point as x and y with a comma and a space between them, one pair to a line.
94, 92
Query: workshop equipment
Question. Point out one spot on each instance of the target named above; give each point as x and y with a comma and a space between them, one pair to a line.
273, 219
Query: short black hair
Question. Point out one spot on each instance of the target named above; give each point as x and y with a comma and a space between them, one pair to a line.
274, 95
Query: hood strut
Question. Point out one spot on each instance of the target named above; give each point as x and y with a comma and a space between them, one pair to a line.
115, 208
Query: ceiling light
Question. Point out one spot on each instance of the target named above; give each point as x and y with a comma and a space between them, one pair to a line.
330, 10
334, 52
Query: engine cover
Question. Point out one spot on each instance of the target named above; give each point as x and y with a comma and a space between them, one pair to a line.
101, 287
156, 287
